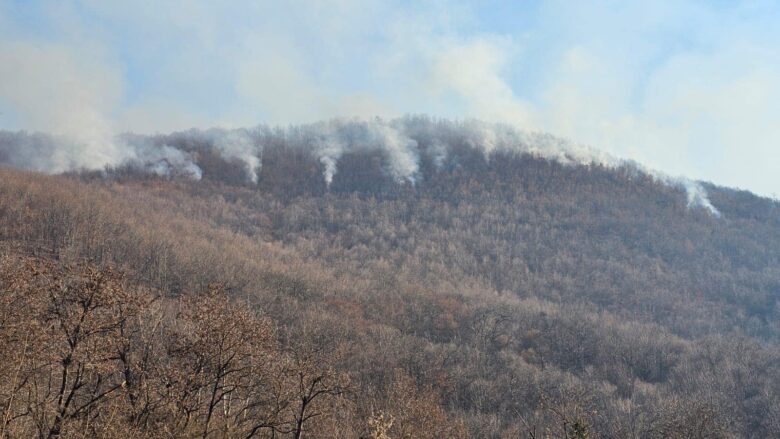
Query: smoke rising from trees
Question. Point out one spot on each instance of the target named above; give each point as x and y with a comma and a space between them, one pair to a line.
400, 141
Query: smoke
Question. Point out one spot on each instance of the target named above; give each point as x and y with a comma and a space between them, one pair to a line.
240, 145
164, 161
490, 137
697, 196
171, 162
70, 94
400, 141
75, 90
58, 153
58, 90
337, 137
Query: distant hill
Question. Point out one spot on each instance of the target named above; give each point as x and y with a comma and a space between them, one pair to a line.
430, 278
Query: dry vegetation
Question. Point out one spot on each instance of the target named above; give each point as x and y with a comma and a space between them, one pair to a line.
503, 297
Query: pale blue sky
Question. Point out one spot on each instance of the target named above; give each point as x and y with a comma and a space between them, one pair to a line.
689, 88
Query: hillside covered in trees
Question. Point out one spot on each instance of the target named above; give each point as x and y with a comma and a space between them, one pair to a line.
405, 279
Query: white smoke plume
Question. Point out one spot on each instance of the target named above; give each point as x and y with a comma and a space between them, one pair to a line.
697, 195
491, 137
337, 137
328, 141
70, 94
165, 161
238, 144
58, 90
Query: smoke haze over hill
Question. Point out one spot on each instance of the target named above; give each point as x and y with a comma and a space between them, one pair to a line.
686, 88
401, 140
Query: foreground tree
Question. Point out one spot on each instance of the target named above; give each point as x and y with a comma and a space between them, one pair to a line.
76, 320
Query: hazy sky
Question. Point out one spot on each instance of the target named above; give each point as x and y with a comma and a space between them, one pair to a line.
690, 88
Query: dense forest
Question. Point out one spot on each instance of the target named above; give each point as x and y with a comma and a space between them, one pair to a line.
408, 279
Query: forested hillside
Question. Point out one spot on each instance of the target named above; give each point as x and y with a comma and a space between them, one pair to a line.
416, 279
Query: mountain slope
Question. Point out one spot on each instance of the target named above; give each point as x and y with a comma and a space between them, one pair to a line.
500, 292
